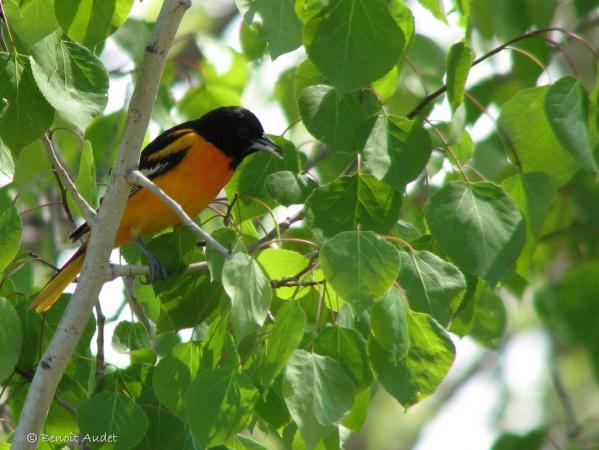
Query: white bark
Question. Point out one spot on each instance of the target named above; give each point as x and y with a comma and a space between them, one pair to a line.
60, 349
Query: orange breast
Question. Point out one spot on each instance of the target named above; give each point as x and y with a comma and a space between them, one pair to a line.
193, 183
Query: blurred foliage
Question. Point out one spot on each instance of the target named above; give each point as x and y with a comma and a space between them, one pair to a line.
448, 189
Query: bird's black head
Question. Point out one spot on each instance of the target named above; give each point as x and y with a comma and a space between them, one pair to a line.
236, 131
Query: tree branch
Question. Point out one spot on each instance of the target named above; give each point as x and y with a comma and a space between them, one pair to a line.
125, 270
68, 333
89, 213
136, 177
283, 226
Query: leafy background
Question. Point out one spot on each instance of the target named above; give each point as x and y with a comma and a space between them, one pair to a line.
438, 289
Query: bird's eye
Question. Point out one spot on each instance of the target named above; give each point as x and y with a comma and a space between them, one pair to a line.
243, 133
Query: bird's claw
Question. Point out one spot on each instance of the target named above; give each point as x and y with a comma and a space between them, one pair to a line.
157, 272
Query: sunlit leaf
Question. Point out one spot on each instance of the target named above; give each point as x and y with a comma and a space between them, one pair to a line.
351, 30
70, 77
250, 293
91, 21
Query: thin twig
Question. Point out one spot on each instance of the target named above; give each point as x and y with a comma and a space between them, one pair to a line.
290, 282
136, 177
65, 404
429, 98
282, 227
89, 213
136, 307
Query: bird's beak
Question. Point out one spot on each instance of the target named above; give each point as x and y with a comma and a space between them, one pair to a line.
264, 143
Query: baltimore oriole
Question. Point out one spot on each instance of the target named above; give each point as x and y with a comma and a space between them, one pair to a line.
191, 162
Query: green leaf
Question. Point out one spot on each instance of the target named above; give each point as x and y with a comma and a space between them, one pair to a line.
566, 105
426, 364
307, 9
533, 192
105, 133
250, 293
284, 93
335, 118
318, 393
11, 339
7, 165
386, 86
173, 375
489, 321
435, 7
10, 231
348, 348
30, 20
86, 176
397, 151
197, 102
359, 201
478, 226
129, 336
28, 114
179, 300
215, 259
288, 188
253, 43
389, 323
459, 61
306, 74
524, 120
281, 263
532, 440
359, 265
352, 29
432, 285
570, 306
359, 411
282, 28
218, 404
109, 413
91, 21
70, 77
285, 335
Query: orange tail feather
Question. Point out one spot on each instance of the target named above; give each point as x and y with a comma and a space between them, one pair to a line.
53, 288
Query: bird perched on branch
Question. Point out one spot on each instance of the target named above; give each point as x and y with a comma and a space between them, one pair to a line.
191, 163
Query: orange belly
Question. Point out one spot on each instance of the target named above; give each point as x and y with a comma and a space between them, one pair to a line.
193, 184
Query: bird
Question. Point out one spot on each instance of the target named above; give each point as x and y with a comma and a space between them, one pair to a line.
191, 162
